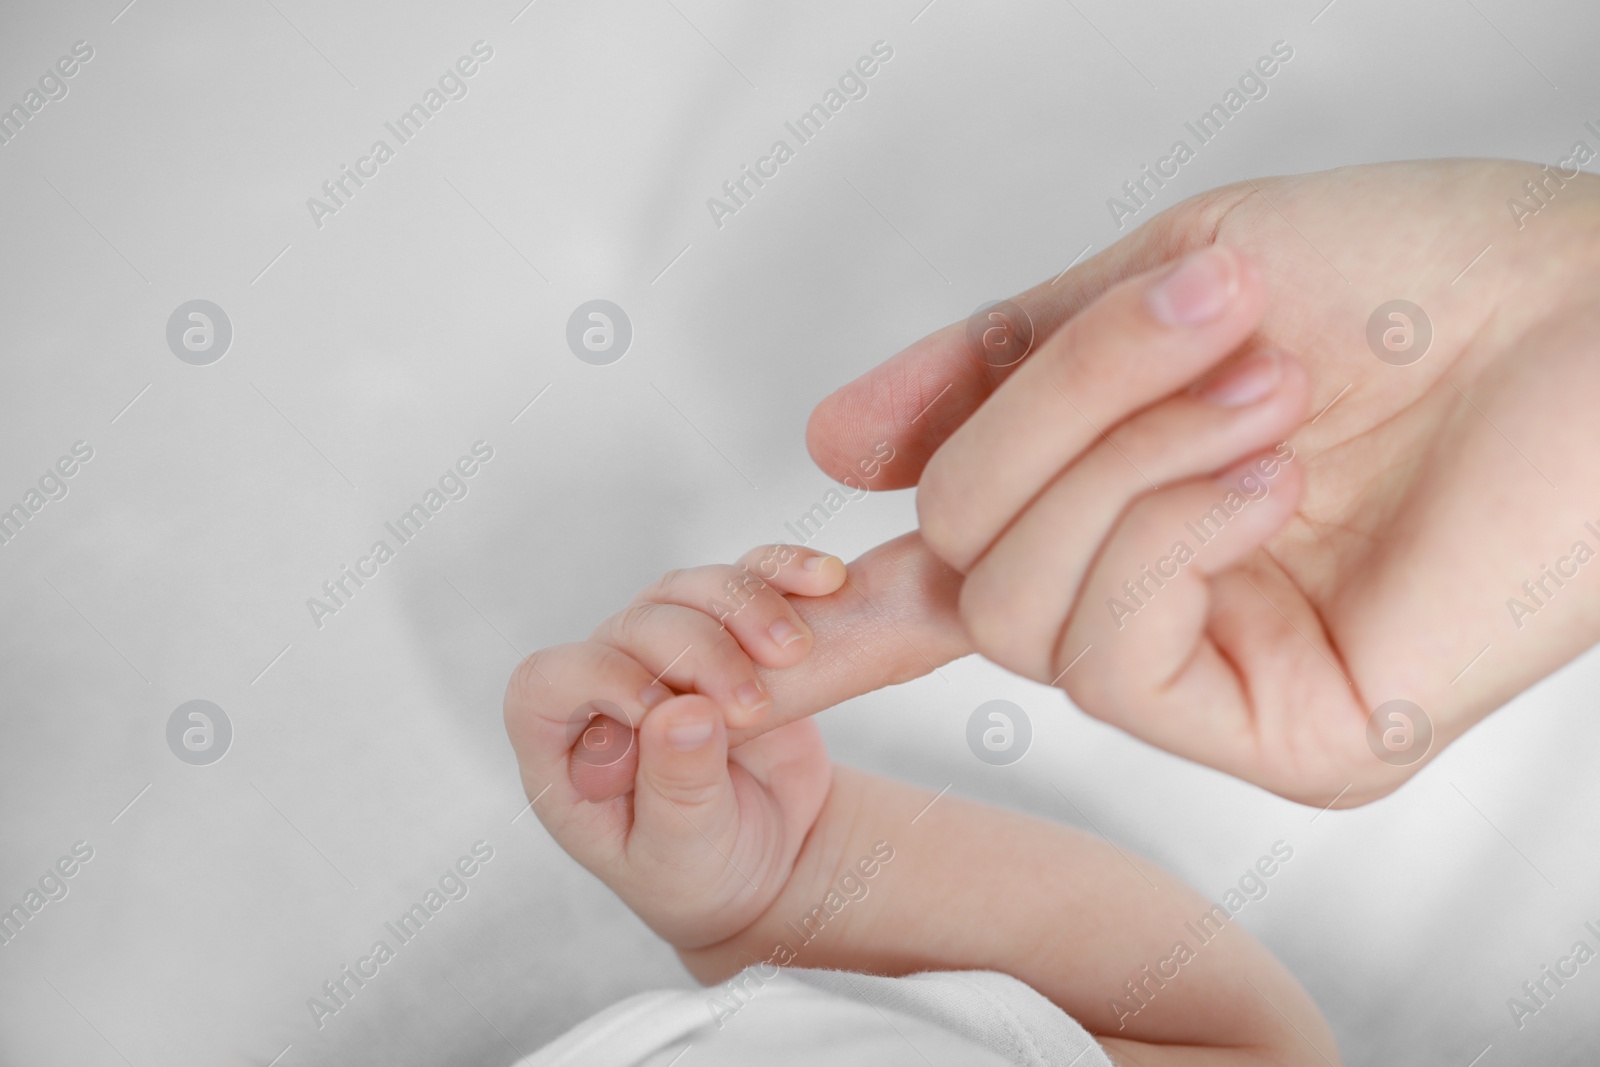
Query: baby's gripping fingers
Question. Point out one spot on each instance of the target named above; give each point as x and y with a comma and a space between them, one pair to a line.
747, 598
552, 693
795, 570
689, 651
604, 758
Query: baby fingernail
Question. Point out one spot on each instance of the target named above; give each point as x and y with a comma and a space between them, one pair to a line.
784, 633
1197, 291
690, 731
653, 694
1245, 382
751, 696
816, 563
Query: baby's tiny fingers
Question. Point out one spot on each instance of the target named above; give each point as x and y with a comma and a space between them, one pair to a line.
604, 758
552, 704
795, 570
689, 651
748, 599
683, 765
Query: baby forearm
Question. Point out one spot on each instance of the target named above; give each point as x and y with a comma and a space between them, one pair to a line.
895, 881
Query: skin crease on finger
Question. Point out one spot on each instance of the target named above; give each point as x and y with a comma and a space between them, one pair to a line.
1018, 595
894, 620
1432, 489
1414, 497
1092, 376
921, 395
1411, 528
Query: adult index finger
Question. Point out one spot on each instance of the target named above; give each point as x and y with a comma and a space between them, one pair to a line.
916, 399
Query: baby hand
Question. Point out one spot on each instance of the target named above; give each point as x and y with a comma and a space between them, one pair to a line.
622, 742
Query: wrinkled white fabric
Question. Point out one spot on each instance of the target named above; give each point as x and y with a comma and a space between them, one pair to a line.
794, 1017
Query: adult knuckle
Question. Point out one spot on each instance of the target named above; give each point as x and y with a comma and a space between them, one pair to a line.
985, 617
939, 519
1138, 442
1147, 519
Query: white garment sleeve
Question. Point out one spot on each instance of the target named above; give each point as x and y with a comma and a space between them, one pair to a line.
799, 1017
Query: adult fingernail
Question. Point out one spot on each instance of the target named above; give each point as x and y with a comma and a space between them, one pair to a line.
690, 730
784, 633
1197, 291
653, 694
1245, 382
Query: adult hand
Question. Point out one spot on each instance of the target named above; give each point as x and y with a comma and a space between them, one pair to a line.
1388, 559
